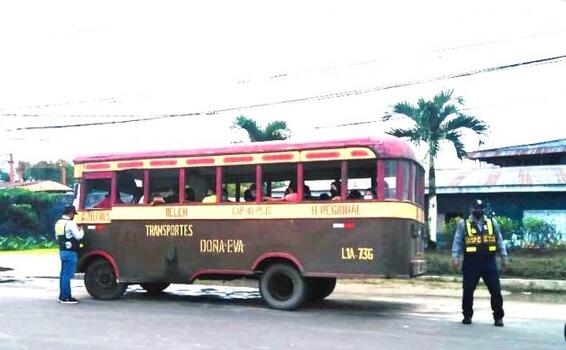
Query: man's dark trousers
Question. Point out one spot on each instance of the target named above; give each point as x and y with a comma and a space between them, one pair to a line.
485, 267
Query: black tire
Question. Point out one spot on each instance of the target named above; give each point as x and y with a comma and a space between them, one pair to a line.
154, 288
283, 288
101, 283
321, 287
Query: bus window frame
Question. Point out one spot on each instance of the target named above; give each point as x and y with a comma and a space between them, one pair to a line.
380, 180
105, 175
182, 182
412, 182
399, 189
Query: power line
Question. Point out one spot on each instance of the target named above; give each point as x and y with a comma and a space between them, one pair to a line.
547, 60
105, 99
273, 76
379, 59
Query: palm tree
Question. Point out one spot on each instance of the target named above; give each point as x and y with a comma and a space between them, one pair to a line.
275, 130
436, 120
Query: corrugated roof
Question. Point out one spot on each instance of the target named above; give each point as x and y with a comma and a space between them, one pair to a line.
546, 178
547, 147
38, 186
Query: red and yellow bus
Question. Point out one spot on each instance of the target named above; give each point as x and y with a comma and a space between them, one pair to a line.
295, 216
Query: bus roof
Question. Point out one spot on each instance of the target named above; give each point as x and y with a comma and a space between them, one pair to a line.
385, 147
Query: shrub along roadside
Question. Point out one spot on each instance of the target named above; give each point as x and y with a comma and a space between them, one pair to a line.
24, 243
548, 265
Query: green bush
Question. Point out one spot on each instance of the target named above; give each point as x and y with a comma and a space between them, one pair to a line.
511, 231
25, 213
549, 264
23, 243
448, 230
540, 234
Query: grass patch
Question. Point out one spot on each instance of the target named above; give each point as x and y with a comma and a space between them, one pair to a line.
533, 265
39, 251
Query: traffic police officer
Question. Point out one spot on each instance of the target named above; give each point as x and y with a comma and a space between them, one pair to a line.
478, 239
68, 235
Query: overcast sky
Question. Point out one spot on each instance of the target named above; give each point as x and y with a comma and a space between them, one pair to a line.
73, 62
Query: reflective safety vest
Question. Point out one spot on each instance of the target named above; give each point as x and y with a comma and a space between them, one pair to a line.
65, 243
480, 241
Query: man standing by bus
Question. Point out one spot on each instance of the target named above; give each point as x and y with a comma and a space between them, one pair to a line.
478, 238
68, 235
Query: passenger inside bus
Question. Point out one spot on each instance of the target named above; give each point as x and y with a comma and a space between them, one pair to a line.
106, 202
156, 199
172, 195
290, 194
249, 194
335, 190
190, 195
210, 196
307, 192
355, 194
370, 193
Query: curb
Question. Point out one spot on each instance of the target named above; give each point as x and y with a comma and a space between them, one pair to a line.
512, 284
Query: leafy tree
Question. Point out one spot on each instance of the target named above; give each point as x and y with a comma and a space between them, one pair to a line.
275, 130
4, 176
436, 120
45, 170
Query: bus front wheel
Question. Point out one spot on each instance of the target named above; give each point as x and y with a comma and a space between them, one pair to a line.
154, 288
101, 282
321, 287
282, 287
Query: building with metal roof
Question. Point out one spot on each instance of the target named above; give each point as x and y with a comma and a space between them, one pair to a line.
519, 181
38, 186
541, 153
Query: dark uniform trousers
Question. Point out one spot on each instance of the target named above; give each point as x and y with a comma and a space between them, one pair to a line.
485, 267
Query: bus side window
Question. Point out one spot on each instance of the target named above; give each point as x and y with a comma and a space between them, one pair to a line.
97, 193
164, 184
280, 182
390, 179
405, 166
199, 180
323, 180
361, 179
238, 182
129, 186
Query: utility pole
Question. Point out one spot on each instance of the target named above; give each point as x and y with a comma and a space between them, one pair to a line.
11, 162
63, 175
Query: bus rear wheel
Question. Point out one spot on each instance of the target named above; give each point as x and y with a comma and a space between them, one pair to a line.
154, 288
101, 282
321, 287
282, 287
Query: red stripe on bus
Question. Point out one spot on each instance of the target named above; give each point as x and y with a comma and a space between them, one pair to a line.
129, 165
163, 162
272, 157
98, 166
320, 155
239, 159
349, 226
200, 161
359, 153
106, 256
287, 256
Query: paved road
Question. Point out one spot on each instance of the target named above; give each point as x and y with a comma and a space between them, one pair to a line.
356, 316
